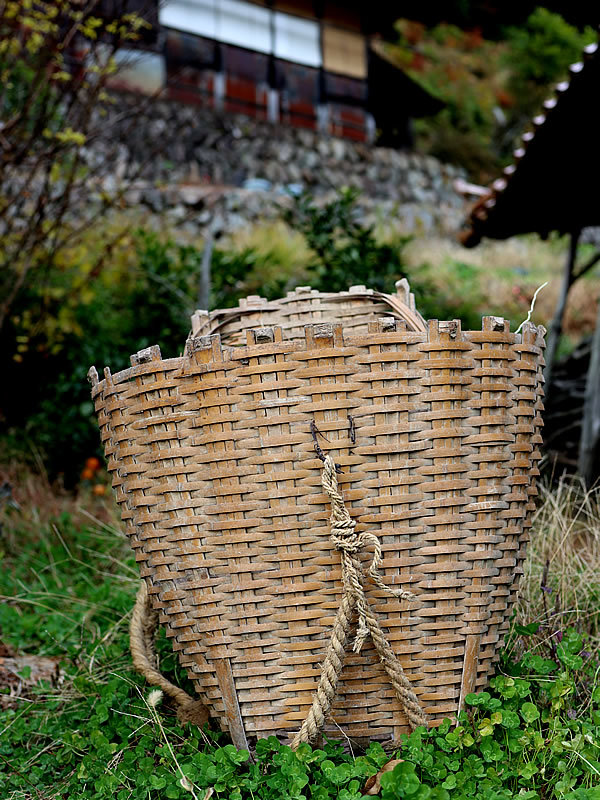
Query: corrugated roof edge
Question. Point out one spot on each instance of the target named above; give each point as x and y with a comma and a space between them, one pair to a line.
475, 223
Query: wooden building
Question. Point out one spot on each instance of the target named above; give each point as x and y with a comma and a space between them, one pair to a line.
298, 62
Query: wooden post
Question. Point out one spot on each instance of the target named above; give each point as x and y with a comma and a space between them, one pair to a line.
204, 286
559, 312
590, 424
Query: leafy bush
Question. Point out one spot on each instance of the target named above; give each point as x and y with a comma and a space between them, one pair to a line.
143, 295
538, 54
50, 95
346, 251
490, 88
541, 50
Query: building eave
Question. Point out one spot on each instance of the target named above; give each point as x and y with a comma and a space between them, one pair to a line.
552, 181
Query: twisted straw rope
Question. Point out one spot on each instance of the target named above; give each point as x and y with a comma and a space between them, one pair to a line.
142, 628
350, 543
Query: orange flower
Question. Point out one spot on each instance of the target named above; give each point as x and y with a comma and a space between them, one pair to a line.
99, 489
87, 474
92, 463
505, 99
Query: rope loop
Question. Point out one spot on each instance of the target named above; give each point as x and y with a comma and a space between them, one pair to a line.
142, 629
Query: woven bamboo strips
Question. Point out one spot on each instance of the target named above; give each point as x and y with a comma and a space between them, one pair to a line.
214, 464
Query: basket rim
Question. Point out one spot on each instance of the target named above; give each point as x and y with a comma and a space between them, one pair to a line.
402, 304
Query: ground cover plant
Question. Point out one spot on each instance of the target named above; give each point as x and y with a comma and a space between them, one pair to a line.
67, 585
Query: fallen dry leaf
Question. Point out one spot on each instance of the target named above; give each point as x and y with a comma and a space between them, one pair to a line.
6, 650
20, 672
373, 784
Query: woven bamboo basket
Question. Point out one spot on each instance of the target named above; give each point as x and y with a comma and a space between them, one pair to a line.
329, 503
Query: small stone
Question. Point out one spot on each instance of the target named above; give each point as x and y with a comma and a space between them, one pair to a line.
154, 199
285, 153
177, 212
306, 138
323, 148
191, 195
338, 149
311, 159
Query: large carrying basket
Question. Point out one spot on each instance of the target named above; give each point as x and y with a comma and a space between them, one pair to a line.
285, 495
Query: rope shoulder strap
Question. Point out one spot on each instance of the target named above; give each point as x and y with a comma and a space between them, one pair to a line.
350, 544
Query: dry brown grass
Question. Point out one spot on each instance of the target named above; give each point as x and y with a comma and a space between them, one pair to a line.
39, 502
564, 557
505, 275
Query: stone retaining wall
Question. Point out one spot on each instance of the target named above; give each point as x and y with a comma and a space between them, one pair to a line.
188, 154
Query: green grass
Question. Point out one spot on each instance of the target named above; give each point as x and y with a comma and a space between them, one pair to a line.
68, 583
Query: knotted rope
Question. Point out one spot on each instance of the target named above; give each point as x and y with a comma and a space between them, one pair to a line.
349, 543
142, 628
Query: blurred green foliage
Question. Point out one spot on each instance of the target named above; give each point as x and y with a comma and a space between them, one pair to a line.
459, 298
80, 315
491, 88
538, 55
18, 78
541, 50
346, 251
